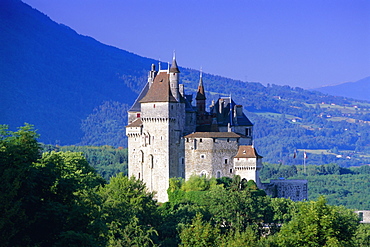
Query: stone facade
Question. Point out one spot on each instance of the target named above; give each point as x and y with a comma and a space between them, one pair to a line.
364, 216
170, 137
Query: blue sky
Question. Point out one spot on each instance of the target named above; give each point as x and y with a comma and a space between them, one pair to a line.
305, 43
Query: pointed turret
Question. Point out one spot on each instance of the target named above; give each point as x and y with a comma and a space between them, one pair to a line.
174, 68
200, 93
174, 78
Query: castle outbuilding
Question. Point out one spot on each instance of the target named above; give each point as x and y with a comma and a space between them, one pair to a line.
170, 137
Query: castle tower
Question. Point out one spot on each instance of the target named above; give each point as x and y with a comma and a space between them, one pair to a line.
174, 79
248, 163
156, 150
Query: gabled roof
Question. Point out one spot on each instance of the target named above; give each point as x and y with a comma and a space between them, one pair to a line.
245, 151
160, 90
213, 135
136, 107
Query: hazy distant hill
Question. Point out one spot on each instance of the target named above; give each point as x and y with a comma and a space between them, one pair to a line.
64, 83
356, 90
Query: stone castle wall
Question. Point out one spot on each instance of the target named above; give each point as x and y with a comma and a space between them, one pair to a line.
210, 156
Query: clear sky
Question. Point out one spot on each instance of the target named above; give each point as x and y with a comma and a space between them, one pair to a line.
305, 43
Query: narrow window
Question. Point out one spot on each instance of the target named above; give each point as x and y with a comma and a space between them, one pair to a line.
228, 139
361, 216
153, 105
225, 161
139, 175
200, 140
218, 174
231, 170
137, 115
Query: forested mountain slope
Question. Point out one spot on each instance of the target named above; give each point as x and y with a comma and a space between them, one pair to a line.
54, 78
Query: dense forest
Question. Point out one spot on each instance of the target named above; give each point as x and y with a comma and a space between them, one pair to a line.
60, 189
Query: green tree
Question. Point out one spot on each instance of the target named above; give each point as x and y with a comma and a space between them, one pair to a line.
129, 212
319, 224
362, 236
19, 199
199, 234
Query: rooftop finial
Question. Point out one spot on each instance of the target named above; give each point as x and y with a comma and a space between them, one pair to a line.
201, 72
174, 55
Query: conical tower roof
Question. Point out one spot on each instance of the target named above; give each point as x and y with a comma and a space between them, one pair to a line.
174, 68
200, 93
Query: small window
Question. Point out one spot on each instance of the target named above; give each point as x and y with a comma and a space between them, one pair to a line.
218, 174
137, 115
200, 140
228, 140
171, 107
202, 156
231, 170
361, 216
139, 175
153, 105
182, 161
226, 161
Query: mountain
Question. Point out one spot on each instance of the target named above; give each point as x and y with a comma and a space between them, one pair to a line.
53, 77
356, 90
76, 90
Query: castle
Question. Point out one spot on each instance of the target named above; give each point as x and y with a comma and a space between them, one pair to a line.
170, 137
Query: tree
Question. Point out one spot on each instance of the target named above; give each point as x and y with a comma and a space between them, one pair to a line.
319, 224
199, 234
19, 200
129, 212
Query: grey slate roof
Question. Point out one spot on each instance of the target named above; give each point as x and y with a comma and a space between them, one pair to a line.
136, 107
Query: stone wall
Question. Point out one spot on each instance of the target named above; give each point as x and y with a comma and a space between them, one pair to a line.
364, 216
210, 156
295, 189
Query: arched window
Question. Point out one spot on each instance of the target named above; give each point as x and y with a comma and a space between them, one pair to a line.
218, 175
151, 161
141, 156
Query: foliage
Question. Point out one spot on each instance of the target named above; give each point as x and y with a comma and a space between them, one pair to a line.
199, 234
39, 192
107, 160
362, 236
318, 224
106, 126
129, 212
